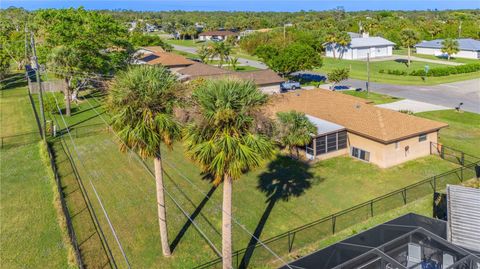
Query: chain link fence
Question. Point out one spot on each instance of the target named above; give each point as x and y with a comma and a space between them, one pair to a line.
288, 242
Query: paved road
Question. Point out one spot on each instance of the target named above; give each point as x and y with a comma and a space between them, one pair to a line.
242, 61
449, 94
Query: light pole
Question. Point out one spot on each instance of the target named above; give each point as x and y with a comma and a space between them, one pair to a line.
40, 94
368, 72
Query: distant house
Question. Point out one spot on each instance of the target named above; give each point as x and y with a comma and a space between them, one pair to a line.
220, 35
360, 46
267, 80
469, 48
249, 32
352, 126
171, 61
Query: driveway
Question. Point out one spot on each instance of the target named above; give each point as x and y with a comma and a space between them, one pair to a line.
413, 106
448, 95
242, 61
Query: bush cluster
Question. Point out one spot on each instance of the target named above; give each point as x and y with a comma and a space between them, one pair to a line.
436, 71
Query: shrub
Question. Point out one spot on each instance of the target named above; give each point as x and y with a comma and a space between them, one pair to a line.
436, 71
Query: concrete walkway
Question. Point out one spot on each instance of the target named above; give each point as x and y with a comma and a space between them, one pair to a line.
413, 106
242, 61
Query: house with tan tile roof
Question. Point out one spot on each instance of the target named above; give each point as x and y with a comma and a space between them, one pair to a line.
352, 126
172, 61
267, 80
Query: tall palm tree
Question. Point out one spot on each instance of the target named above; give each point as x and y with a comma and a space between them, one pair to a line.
409, 38
343, 40
331, 38
450, 47
294, 130
141, 101
225, 141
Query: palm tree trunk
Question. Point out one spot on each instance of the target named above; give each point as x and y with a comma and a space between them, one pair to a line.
162, 212
227, 222
67, 98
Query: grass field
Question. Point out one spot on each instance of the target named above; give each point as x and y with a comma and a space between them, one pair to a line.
128, 193
463, 132
376, 98
30, 235
358, 70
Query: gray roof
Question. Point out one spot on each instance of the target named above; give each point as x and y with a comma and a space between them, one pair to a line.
463, 44
374, 41
354, 35
323, 126
464, 216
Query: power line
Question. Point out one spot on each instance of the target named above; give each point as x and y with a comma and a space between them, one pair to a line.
93, 186
151, 173
206, 195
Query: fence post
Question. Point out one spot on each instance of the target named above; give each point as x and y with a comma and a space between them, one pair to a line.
442, 152
371, 208
334, 220
434, 183
462, 160
404, 196
461, 173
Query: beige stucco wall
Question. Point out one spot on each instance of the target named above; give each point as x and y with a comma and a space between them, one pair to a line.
387, 155
332, 154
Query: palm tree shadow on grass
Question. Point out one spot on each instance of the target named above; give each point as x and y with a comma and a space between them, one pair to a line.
285, 178
197, 212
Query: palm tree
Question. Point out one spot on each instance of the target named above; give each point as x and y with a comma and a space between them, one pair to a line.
222, 51
204, 53
409, 38
141, 101
294, 130
65, 59
450, 47
343, 39
331, 38
233, 63
224, 140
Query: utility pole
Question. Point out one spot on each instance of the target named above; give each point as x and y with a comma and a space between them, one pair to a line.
460, 30
40, 91
368, 71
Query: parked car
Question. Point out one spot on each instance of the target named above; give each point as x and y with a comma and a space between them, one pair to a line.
289, 85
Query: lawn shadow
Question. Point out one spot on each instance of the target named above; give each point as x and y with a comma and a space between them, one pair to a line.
284, 179
187, 224
402, 61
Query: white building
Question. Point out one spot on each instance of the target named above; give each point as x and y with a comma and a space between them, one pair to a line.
360, 46
219, 35
469, 48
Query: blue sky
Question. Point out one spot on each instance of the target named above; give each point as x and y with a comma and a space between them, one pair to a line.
247, 5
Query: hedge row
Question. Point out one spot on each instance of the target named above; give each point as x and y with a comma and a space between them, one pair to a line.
436, 71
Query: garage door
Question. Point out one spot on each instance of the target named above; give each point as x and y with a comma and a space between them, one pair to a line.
362, 53
381, 51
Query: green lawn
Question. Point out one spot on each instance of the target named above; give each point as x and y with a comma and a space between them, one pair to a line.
463, 132
433, 57
30, 234
376, 98
186, 42
358, 70
128, 193
186, 54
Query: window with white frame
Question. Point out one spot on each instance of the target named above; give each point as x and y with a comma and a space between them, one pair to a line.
360, 154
